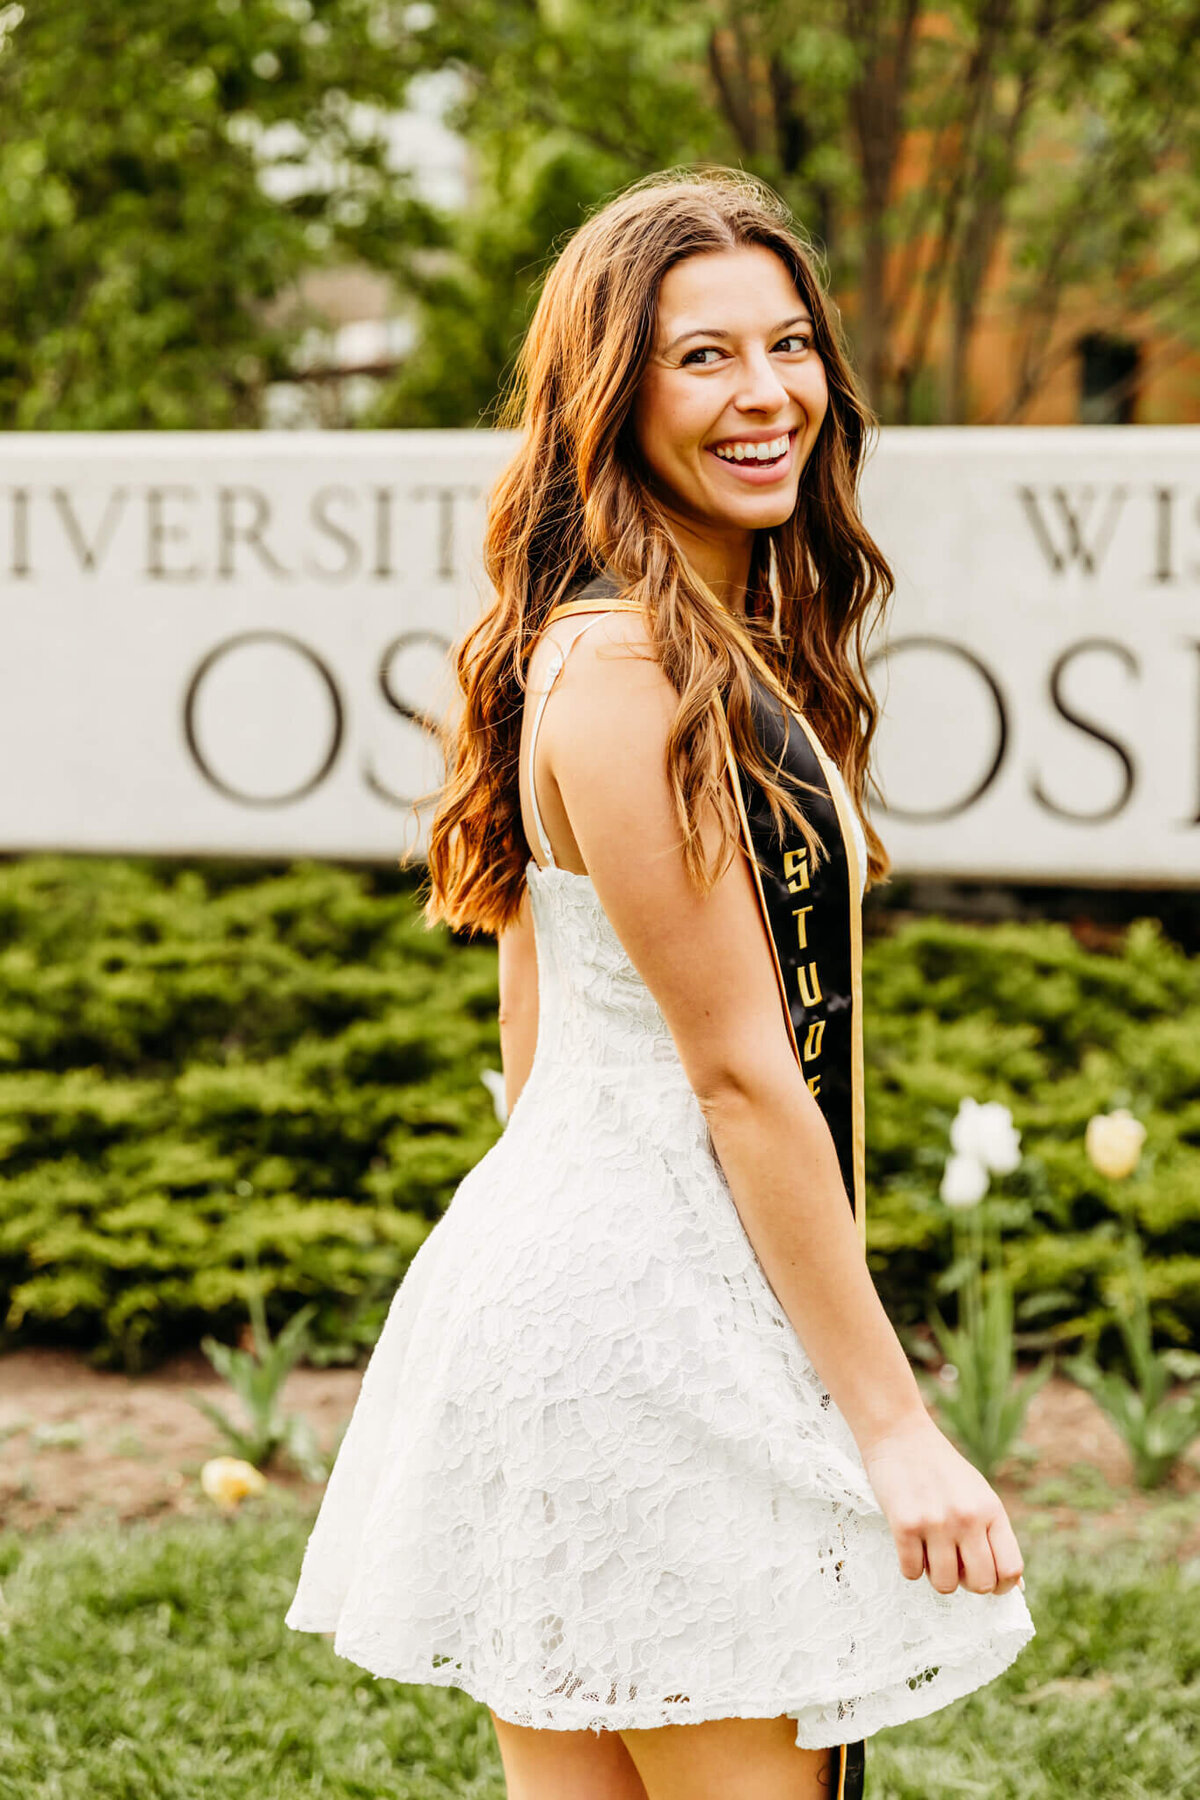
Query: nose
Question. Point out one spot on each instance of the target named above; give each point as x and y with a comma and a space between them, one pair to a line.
759, 386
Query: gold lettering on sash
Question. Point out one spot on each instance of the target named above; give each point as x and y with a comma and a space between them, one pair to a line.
812, 1043
795, 870
809, 984
814, 1085
800, 914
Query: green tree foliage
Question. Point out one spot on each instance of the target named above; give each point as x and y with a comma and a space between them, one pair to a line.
215, 1077
142, 251
924, 146
475, 301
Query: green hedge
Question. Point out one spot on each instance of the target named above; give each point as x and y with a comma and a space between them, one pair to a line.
218, 1075
211, 1077
1023, 1014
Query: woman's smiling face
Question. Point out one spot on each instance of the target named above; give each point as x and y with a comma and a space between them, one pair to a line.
732, 398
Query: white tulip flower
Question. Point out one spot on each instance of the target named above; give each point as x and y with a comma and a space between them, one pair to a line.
988, 1134
1113, 1142
964, 1181
493, 1081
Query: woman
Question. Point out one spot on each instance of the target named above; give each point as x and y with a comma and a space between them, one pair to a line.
638, 1460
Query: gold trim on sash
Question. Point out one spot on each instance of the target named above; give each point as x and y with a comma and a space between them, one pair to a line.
602, 605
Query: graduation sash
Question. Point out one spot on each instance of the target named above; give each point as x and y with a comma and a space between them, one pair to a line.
813, 918
813, 921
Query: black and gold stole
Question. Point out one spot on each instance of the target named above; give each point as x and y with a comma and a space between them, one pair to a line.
813, 920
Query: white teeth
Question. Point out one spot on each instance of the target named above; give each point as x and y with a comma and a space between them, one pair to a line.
744, 452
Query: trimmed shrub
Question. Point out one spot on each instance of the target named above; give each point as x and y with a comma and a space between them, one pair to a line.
1023, 1014
214, 1077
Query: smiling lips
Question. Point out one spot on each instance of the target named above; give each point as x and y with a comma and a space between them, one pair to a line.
752, 456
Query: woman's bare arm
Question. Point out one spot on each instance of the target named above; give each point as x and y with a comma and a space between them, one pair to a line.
518, 1001
707, 962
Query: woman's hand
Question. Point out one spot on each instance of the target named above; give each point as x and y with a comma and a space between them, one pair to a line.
944, 1516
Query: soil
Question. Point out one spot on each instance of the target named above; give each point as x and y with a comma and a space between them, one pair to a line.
78, 1445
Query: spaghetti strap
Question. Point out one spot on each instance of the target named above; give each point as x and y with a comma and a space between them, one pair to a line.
562, 656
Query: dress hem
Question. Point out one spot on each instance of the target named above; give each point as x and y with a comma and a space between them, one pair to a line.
895, 1704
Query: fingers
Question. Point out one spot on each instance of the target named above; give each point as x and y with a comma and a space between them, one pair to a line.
980, 1555
1006, 1552
977, 1561
945, 1519
910, 1548
941, 1559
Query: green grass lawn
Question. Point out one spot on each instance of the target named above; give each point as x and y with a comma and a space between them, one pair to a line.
152, 1663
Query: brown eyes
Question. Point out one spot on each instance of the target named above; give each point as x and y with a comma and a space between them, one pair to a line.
795, 340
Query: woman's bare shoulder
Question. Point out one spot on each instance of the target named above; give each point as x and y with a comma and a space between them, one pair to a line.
704, 957
610, 656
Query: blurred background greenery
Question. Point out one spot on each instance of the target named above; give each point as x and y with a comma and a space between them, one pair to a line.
247, 212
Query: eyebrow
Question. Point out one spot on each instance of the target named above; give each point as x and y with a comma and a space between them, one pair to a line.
803, 318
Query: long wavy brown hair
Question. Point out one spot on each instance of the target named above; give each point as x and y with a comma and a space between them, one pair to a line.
575, 499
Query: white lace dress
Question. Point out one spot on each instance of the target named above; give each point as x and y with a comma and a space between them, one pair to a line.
592, 1478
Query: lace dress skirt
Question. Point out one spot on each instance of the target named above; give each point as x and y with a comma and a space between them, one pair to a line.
592, 1478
